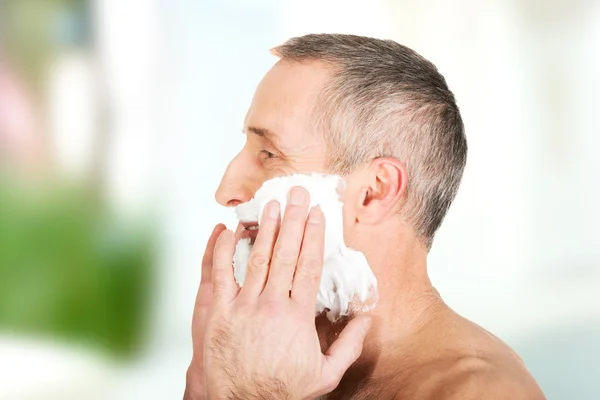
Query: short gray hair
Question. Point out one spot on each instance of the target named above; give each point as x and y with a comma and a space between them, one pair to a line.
385, 100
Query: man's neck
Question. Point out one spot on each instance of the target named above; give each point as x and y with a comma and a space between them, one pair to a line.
407, 302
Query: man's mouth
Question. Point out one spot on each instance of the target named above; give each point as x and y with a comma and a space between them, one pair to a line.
248, 230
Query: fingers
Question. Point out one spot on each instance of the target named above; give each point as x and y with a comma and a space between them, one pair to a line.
310, 262
287, 247
204, 296
207, 259
260, 257
344, 351
224, 286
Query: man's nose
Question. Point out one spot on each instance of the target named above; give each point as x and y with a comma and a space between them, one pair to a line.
237, 185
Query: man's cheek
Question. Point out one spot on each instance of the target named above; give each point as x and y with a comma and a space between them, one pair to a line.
348, 283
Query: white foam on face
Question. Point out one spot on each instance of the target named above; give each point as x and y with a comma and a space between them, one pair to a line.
348, 285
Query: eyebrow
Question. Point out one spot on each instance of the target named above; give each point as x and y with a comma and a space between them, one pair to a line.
262, 132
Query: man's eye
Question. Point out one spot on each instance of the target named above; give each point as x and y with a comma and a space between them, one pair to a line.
267, 154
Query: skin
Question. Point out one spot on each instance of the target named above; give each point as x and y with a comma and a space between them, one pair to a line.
262, 341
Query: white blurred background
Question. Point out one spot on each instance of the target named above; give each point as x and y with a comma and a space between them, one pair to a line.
143, 101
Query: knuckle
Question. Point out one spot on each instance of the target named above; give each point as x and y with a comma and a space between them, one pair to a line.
314, 280
311, 265
284, 257
332, 381
310, 270
219, 283
259, 261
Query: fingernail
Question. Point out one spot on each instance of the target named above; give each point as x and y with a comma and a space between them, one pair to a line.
314, 216
298, 196
273, 210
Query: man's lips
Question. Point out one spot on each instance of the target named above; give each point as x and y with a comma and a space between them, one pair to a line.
247, 230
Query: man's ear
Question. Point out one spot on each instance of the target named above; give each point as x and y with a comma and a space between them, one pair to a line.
383, 190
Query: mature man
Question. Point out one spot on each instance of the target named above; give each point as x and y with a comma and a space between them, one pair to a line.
381, 116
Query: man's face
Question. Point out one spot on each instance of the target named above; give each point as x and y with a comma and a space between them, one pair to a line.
279, 140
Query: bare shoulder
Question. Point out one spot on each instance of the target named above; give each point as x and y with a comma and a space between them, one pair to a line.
466, 378
475, 378
460, 360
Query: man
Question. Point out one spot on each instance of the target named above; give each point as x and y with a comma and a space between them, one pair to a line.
381, 116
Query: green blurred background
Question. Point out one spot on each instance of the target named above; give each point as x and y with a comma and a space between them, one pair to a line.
72, 267
72, 270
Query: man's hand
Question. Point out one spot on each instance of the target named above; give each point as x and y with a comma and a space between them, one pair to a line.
196, 382
261, 341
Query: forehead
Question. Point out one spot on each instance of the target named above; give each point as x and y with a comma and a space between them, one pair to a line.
284, 99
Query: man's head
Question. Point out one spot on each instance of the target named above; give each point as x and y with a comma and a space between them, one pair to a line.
370, 110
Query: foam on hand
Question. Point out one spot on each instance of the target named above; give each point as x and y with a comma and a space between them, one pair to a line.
347, 285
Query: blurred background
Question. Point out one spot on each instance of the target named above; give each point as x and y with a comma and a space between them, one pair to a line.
117, 119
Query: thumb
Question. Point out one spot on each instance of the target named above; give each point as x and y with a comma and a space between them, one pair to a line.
345, 350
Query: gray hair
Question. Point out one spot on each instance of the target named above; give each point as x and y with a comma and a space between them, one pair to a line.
385, 100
